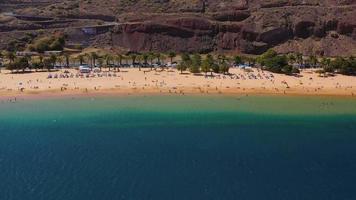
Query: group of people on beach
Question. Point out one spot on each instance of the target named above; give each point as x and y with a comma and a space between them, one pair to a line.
173, 82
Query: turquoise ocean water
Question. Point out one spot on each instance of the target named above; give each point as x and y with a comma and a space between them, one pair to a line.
162, 147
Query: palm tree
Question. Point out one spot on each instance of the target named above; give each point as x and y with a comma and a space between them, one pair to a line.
29, 62
1, 61
93, 56
223, 65
250, 60
108, 58
67, 57
139, 58
119, 61
205, 66
196, 63
299, 59
87, 59
100, 62
133, 58
81, 59
313, 60
126, 59
210, 61
25, 62
40, 57
185, 63
60, 60
291, 58
326, 64
222, 58
11, 56
158, 56
151, 56
53, 59
237, 60
172, 55
145, 57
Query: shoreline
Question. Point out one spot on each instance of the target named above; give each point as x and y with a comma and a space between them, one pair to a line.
57, 94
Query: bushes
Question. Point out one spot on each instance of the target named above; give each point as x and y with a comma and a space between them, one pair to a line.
48, 44
276, 63
196, 64
345, 66
185, 63
19, 64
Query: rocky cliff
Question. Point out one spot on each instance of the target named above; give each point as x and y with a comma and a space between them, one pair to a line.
323, 27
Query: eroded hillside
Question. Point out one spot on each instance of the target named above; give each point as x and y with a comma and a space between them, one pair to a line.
323, 27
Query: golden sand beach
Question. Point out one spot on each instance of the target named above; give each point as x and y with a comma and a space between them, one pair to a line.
133, 81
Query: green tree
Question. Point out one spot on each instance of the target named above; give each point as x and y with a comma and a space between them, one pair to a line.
11, 67
11, 56
287, 69
151, 58
313, 61
344, 66
196, 63
250, 60
1, 60
87, 58
224, 67
158, 56
67, 57
205, 67
185, 63
211, 62
145, 57
291, 58
53, 59
133, 57
277, 64
119, 58
80, 59
100, 62
37, 65
22, 63
295, 70
48, 62
108, 59
207, 64
172, 55
266, 56
326, 64
93, 56
299, 59
139, 59
238, 60
29, 62
223, 64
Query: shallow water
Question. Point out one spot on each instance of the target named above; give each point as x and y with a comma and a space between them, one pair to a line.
161, 147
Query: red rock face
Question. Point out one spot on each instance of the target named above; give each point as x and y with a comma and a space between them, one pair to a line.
251, 27
200, 35
325, 27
